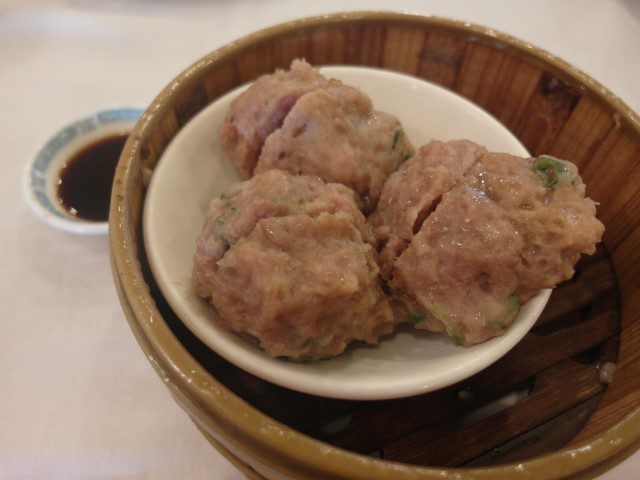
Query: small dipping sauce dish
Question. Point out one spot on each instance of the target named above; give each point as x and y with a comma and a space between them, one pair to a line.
68, 181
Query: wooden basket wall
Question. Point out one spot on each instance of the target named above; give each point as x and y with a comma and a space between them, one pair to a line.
590, 323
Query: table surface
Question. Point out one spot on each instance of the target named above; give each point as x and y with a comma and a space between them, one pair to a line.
78, 399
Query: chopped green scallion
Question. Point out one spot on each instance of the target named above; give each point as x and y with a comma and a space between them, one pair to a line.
454, 332
513, 307
553, 171
224, 240
415, 318
396, 136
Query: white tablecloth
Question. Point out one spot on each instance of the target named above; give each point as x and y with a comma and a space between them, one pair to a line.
78, 399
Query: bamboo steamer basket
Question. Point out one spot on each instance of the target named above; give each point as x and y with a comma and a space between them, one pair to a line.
573, 419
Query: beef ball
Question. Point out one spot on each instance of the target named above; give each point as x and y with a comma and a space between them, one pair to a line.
509, 228
287, 260
261, 109
334, 132
410, 194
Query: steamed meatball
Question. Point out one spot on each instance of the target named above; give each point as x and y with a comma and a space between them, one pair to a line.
334, 132
286, 259
410, 194
261, 109
511, 227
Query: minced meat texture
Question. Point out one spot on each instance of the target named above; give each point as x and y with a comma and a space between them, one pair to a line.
465, 236
288, 260
261, 109
508, 229
410, 194
334, 132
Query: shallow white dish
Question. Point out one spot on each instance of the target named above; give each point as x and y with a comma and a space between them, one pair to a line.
193, 170
40, 181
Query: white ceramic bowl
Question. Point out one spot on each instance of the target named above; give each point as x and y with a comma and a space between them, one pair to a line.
193, 170
40, 180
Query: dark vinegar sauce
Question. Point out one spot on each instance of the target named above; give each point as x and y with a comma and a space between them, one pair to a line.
84, 187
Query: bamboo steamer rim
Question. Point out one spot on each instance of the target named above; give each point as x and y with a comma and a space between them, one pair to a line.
224, 414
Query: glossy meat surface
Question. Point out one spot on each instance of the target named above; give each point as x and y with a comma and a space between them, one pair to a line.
261, 109
334, 132
287, 260
498, 237
410, 194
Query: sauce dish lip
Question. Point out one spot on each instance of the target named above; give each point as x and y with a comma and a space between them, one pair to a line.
39, 180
